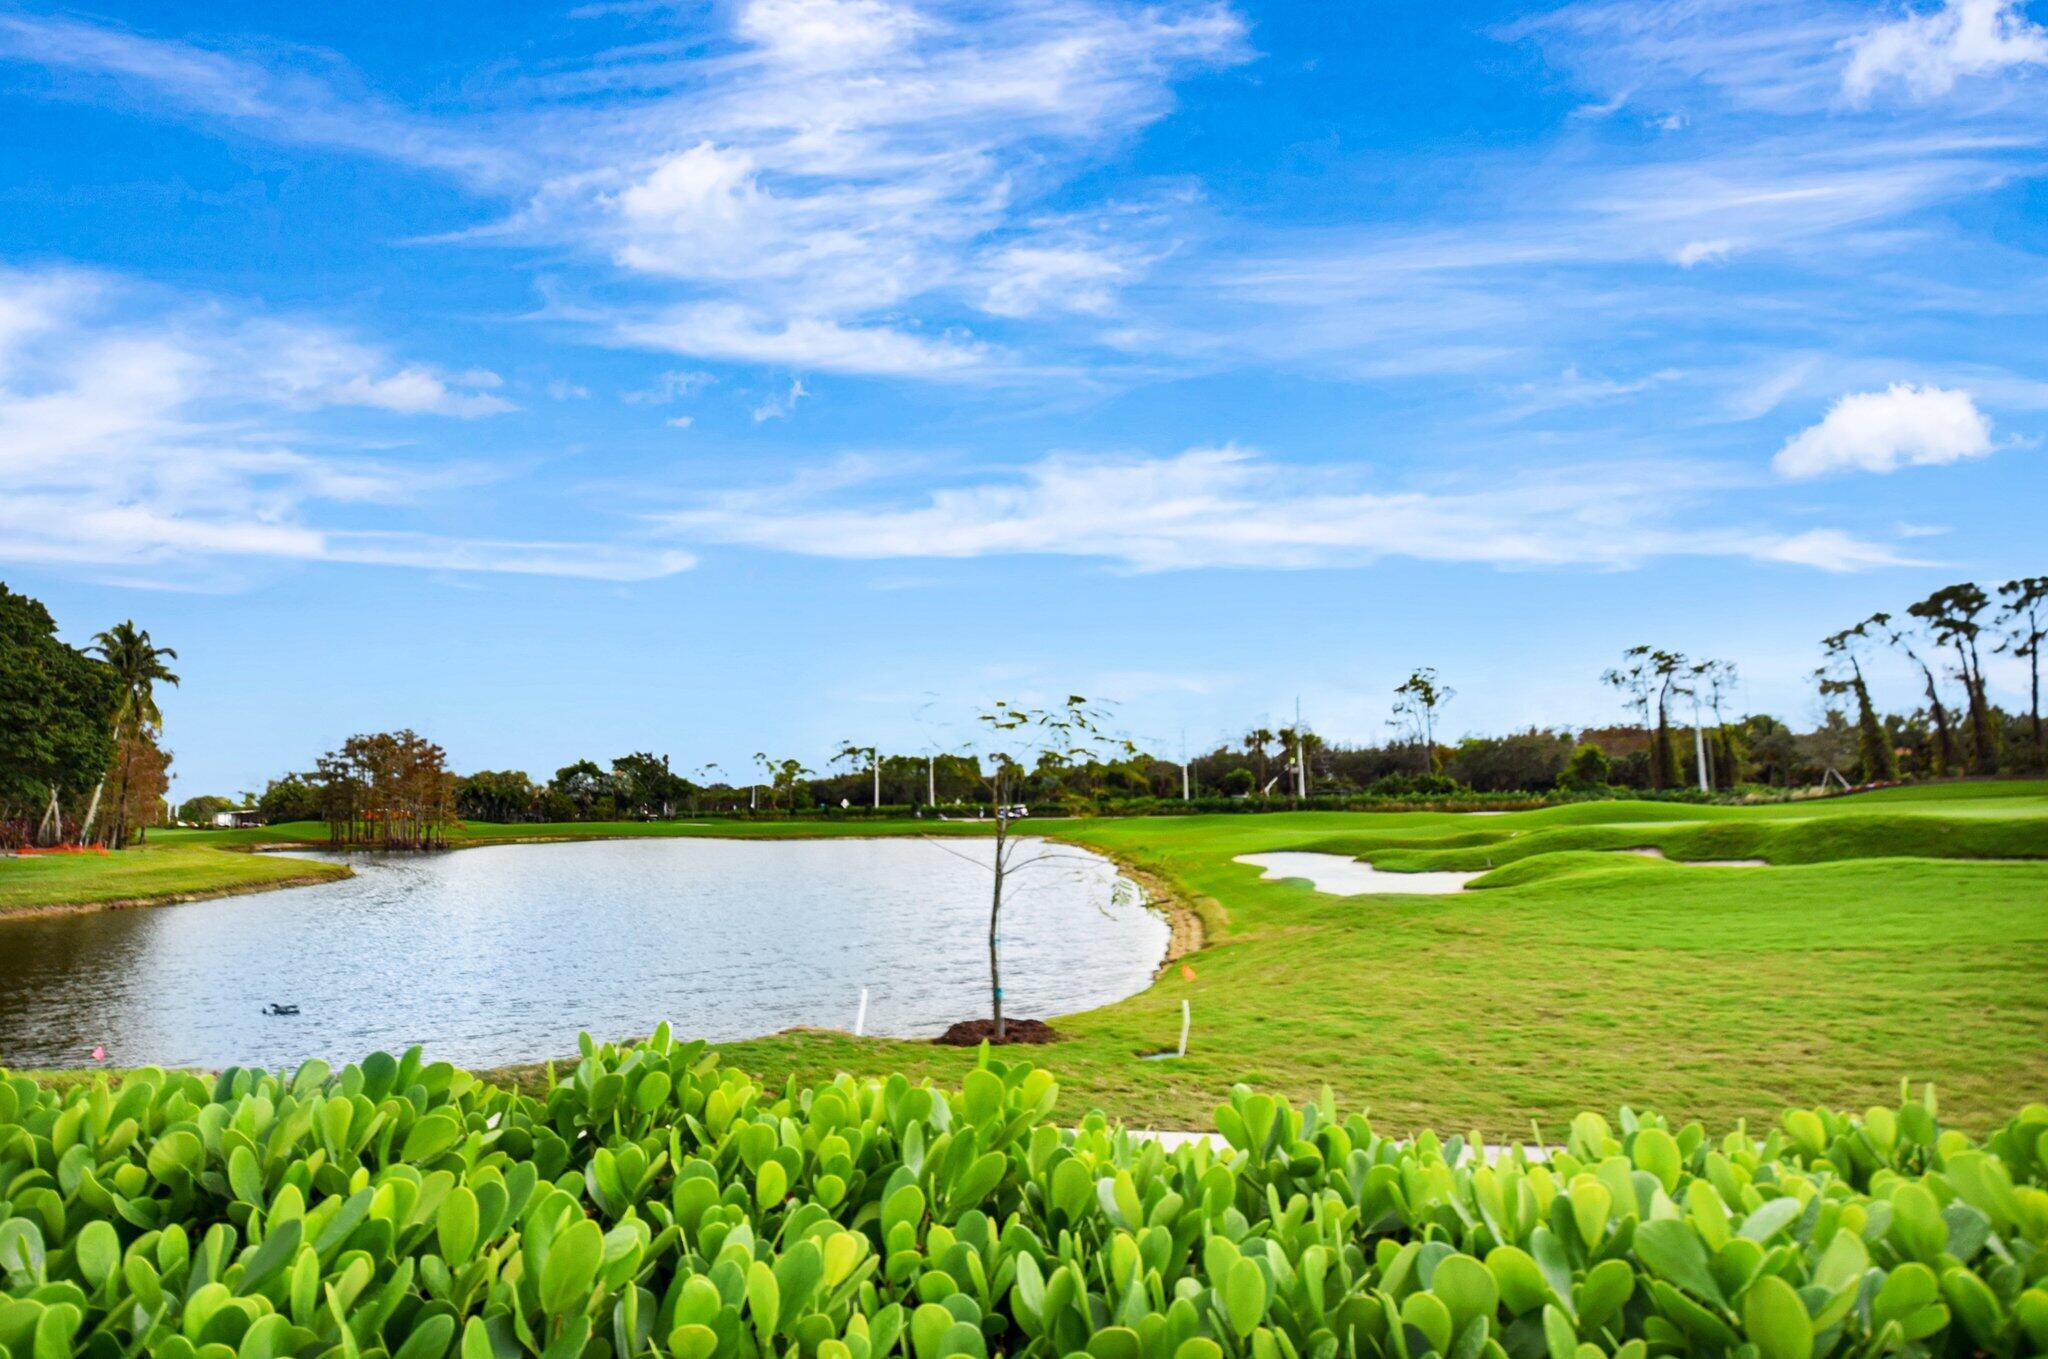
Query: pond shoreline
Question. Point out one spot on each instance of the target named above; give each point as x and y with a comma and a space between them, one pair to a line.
676, 920
150, 900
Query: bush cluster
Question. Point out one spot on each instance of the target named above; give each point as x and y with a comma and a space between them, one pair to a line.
649, 1203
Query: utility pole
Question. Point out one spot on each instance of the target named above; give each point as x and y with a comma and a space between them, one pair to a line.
1699, 745
1184, 796
878, 777
931, 779
1300, 756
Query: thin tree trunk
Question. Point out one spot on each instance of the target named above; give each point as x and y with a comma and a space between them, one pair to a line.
50, 813
2034, 664
92, 811
995, 915
1945, 739
121, 796
1983, 755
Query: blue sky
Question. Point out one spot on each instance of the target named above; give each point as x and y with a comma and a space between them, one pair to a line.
712, 377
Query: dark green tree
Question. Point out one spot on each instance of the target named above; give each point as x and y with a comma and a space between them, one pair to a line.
57, 707
1588, 768
495, 795
583, 783
291, 798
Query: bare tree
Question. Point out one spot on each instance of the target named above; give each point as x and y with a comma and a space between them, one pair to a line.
1950, 614
1018, 740
1901, 637
1648, 680
1880, 759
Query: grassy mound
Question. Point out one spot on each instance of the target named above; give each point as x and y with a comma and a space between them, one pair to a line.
648, 1203
1818, 839
1570, 863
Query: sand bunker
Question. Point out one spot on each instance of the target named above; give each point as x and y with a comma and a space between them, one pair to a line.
1346, 877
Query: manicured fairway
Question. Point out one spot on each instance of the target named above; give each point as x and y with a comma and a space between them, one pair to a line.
1608, 979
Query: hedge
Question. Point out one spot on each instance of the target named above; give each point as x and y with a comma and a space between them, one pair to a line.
652, 1203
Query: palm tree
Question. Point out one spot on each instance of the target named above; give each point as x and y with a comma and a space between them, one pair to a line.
138, 665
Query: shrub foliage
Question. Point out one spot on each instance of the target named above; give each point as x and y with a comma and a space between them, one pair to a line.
648, 1202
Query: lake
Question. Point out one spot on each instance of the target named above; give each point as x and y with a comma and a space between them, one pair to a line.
504, 954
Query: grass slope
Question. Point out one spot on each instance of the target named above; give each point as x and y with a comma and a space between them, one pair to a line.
149, 873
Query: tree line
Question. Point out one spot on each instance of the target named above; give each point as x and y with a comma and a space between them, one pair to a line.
82, 759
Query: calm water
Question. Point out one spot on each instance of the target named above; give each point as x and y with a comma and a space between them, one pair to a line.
505, 954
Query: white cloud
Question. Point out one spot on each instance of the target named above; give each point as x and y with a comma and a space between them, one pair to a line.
1903, 425
1926, 52
561, 389
828, 33
1227, 507
422, 391
1027, 279
1833, 550
142, 431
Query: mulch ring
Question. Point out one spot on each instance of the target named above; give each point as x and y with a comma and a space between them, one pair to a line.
974, 1032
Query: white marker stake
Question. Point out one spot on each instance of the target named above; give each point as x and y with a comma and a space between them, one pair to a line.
1187, 1017
860, 1021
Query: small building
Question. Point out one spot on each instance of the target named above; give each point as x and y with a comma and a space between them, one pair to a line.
237, 818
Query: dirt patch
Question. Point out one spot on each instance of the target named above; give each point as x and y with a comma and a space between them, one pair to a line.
1185, 921
974, 1032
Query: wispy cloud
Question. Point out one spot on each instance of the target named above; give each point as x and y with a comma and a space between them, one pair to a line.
713, 330
142, 430
794, 169
780, 407
1230, 507
257, 96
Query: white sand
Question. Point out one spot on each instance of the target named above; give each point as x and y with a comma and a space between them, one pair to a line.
1341, 876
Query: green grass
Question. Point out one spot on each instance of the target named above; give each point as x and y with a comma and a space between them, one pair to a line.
1821, 839
1584, 980
1878, 949
148, 873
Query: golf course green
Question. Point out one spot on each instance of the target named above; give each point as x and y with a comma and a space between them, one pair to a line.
1899, 935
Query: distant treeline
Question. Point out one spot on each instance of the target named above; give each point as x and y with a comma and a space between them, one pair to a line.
81, 757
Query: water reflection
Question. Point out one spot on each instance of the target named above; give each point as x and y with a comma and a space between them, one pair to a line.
504, 954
